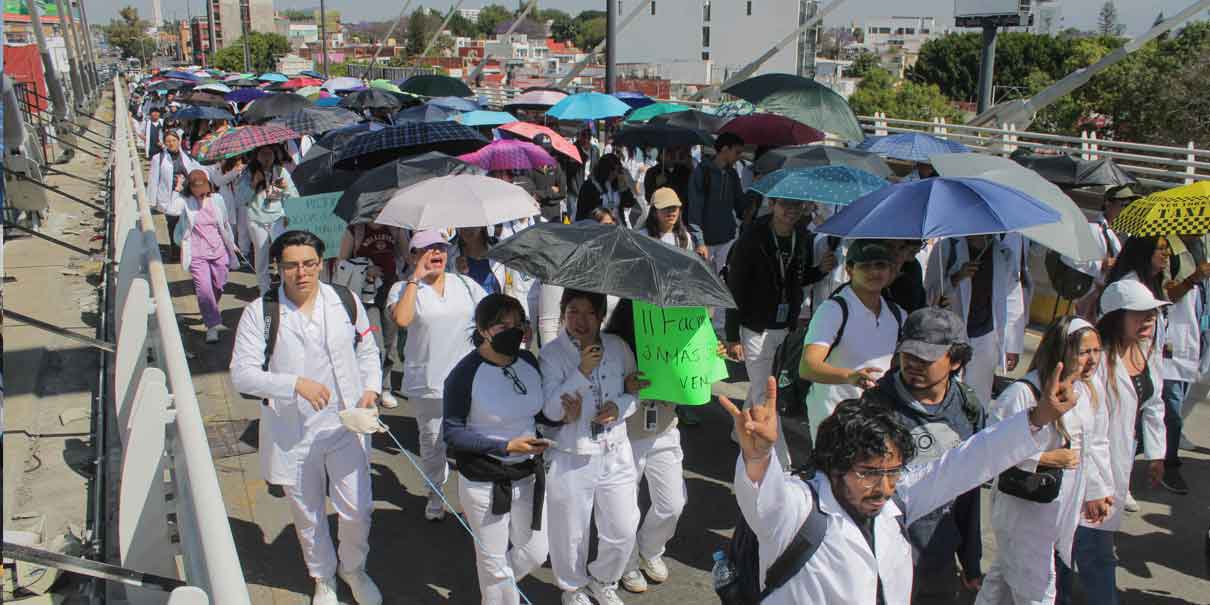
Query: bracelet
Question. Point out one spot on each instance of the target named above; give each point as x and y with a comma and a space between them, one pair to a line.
414, 282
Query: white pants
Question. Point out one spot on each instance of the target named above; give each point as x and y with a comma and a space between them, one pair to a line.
429, 414
338, 461
501, 567
718, 261
601, 488
659, 459
997, 591
759, 348
981, 371
262, 239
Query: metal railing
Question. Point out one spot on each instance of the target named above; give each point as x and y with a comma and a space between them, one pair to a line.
169, 502
387, 72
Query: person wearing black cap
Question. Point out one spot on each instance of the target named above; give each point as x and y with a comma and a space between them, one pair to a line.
926, 397
550, 184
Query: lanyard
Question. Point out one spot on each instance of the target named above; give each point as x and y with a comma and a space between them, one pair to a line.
783, 263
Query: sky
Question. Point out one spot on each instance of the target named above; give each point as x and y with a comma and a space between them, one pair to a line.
1137, 15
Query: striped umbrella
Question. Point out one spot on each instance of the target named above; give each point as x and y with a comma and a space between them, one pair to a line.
242, 139
375, 148
315, 120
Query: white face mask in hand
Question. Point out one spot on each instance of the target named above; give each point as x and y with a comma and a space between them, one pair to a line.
361, 420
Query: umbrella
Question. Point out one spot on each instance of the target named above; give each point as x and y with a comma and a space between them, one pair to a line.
317, 175
273, 105
527, 130
218, 87
797, 156
195, 112
435, 86
1071, 171
384, 85
536, 99
801, 99
1180, 211
425, 113
660, 135
484, 118
311, 92
1069, 237
938, 207
336, 138
363, 200
693, 118
370, 98
242, 83
245, 95
460, 200
911, 146
454, 103
375, 148
327, 102
169, 85
180, 75
769, 130
508, 154
613, 260
311, 74
838, 185
341, 83
272, 76
316, 120
588, 106
202, 97
634, 99
242, 139
296, 83
643, 114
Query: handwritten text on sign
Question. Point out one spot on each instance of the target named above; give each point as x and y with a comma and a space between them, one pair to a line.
678, 352
314, 213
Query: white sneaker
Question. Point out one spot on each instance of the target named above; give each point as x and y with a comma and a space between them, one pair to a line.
575, 597
655, 569
1186, 444
1132, 505
325, 592
387, 400
605, 594
633, 581
365, 592
211, 335
435, 509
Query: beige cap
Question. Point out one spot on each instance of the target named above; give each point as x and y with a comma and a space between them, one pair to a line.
665, 197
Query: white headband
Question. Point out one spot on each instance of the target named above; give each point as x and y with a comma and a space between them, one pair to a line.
1077, 324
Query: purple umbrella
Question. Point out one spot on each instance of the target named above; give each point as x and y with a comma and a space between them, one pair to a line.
245, 95
509, 154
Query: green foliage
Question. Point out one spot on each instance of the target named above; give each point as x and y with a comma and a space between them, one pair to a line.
462, 27
294, 14
904, 100
128, 34
1107, 20
421, 26
491, 16
263, 48
590, 33
862, 64
952, 62
562, 26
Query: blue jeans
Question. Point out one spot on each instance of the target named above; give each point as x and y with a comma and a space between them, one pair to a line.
1174, 397
1092, 552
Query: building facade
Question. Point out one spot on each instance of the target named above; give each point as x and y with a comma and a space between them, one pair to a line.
902, 35
234, 17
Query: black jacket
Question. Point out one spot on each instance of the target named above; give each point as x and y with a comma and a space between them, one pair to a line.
755, 280
590, 199
677, 178
545, 184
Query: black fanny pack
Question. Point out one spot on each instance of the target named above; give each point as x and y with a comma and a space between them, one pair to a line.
1042, 486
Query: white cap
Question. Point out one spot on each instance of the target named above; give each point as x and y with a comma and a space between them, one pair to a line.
1131, 295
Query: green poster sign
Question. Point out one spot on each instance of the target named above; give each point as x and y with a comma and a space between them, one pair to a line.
314, 213
19, 7
678, 352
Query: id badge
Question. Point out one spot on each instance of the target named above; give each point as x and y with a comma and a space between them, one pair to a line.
1205, 323
783, 313
651, 417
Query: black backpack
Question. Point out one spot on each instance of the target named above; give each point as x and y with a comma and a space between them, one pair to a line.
1067, 282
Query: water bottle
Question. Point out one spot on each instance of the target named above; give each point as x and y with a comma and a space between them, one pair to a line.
723, 573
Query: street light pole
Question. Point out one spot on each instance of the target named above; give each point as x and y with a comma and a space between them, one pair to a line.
611, 46
323, 37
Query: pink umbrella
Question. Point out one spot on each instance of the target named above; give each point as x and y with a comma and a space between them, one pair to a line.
508, 154
771, 130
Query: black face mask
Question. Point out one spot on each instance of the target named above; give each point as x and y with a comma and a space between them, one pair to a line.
508, 342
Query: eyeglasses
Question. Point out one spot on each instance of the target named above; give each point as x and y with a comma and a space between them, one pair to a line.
871, 478
309, 265
518, 386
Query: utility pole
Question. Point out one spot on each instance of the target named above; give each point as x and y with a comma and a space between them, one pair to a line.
57, 97
323, 36
213, 48
374, 59
82, 53
579, 66
73, 64
88, 45
441, 28
987, 67
243, 24
611, 46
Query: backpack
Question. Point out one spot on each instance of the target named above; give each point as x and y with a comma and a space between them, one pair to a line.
270, 307
1067, 282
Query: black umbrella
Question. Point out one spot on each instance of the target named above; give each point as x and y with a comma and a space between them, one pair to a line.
275, 105
334, 139
317, 175
316, 120
1071, 171
660, 135
377, 148
436, 86
202, 97
805, 156
425, 113
614, 260
171, 85
371, 98
697, 120
243, 83
196, 112
364, 199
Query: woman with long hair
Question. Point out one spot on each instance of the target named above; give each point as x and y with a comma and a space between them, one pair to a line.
608, 187
1030, 532
166, 174
1143, 259
265, 183
666, 222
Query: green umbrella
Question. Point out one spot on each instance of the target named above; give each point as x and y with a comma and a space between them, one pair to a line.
385, 85
643, 114
803, 100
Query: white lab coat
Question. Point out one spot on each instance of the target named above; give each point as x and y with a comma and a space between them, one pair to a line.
1008, 294
284, 444
160, 180
561, 374
187, 208
844, 570
145, 133
1182, 333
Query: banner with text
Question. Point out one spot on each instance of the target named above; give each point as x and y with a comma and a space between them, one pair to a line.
314, 213
678, 352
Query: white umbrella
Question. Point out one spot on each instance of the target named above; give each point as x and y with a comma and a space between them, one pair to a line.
218, 87
460, 200
1070, 237
342, 83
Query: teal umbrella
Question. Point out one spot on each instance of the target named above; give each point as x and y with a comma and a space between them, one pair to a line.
484, 118
272, 76
838, 185
643, 114
803, 100
588, 106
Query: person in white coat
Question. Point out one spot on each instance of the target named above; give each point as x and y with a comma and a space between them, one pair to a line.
321, 364
166, 172
1129, 376
151, 133
983, 283
207, 245
863, 488
590, 384
1028, 532
1110, 245
1184, 285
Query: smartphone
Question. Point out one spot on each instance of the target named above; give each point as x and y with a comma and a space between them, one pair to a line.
546, 442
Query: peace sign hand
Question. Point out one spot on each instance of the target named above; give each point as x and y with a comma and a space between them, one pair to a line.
1058, 396
756, 426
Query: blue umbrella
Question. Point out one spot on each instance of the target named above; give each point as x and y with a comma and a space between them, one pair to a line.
588, 106
634, 99
454, 103
180, 75
327, 101
484, 118
272, 76
201, 112
311, 74
244, 95
911, 146
939, 207
839, 185
413, 138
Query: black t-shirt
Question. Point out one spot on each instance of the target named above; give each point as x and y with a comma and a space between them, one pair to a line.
907, 290
979, 318
1144, 388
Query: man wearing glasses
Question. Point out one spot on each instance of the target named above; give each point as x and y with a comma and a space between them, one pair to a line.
322, 362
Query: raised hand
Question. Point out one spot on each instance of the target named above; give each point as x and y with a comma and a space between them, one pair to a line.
756, 428
1058, 396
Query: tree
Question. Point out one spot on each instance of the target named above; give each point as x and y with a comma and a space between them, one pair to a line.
462, 27
421, 27
862, 64
294, 14
1107, 20
562, 25
490, 17
128, 34
906, 100
590, 33
264, 50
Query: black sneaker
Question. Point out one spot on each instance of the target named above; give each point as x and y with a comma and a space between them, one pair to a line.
1173, 481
